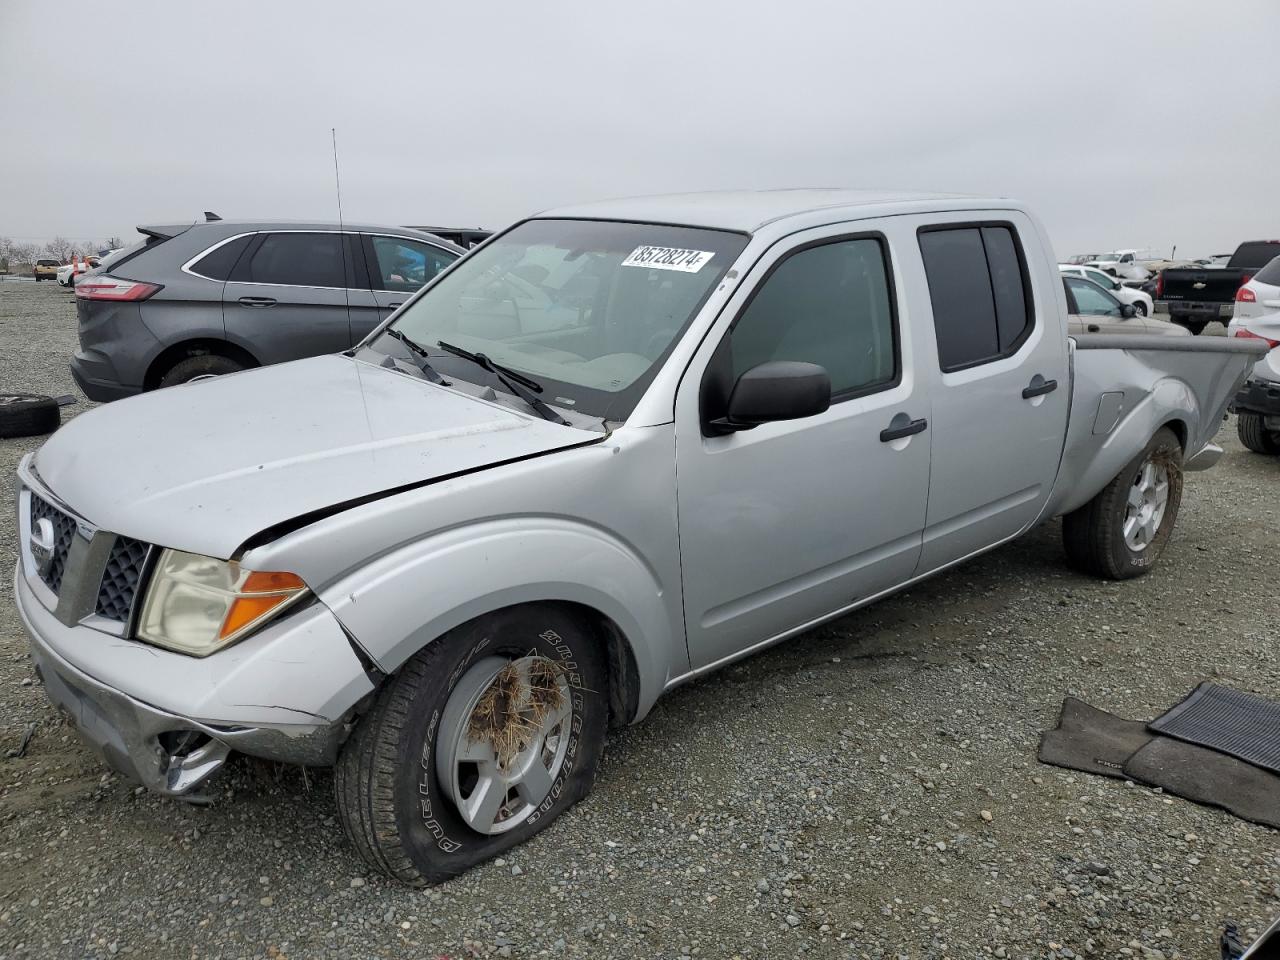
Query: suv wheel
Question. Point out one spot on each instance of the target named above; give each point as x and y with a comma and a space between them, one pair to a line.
482, 739
1253, 433
1122, 531
202, 367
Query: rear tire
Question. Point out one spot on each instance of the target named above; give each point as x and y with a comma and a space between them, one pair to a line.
1253, 433
1099, 537
402, 814
28, 415
198, 368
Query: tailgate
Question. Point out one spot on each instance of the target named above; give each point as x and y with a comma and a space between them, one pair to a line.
1200, 286
1125, 387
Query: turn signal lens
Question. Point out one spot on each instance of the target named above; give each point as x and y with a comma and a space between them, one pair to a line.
260, 594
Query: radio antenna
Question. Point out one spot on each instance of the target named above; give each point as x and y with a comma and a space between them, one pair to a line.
342, 234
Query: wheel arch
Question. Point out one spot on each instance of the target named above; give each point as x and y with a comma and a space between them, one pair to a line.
194, 347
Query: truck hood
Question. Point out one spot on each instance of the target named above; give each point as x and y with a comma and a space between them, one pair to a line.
205, 466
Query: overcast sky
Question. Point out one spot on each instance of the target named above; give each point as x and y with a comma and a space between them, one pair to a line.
1124, 123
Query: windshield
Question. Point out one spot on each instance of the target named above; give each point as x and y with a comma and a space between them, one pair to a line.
589, 309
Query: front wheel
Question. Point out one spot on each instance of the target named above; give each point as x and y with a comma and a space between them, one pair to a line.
1122, 531
481, 740
1253, 433
1140, 308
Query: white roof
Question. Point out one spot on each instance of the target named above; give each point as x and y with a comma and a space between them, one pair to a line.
749, 210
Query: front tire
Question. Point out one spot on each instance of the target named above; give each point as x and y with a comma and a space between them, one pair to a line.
1253, 433
1122, 532
482, 739
1140, 308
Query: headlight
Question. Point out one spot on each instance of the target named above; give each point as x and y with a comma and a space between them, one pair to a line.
197, 605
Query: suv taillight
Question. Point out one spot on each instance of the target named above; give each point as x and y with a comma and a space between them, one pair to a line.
1250, 335
1160, 284
106, 287
1245, 295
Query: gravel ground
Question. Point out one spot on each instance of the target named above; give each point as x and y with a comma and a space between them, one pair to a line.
867, 790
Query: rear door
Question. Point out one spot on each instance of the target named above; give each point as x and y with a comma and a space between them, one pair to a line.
1001, 390
399, 267
293, 293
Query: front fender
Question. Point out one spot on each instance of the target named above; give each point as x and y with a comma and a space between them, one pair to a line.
399, 603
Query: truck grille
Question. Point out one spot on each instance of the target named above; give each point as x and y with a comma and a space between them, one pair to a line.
64, 528
120, 579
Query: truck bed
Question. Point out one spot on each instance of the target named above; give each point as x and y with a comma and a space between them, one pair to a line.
1126, 387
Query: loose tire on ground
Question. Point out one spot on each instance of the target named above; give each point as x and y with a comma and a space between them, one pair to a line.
397, 810
1253, 433
1095, 535
195, 368
28, 415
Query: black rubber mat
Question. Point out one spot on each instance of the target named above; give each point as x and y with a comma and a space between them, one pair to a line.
1092, 740
1239, 724
1210, 778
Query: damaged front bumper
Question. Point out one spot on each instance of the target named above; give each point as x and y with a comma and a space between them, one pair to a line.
140, 730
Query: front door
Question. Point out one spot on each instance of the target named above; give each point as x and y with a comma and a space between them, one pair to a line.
398, 268
788, 522
1001, 393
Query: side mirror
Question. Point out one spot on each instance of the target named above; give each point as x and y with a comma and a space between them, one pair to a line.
778, 390
1128, 310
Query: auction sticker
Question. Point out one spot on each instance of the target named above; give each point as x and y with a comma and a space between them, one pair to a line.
668, 258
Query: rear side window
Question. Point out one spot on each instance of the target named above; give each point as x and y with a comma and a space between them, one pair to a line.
218, 262
1254, 254
1270, 274
297, 259
978, 288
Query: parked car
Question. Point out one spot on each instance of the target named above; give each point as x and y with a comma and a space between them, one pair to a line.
1126, 264
613, 449
1142, 303
192, 301
1091, 309
1257, 317
46, 268
1195, 296
68, 271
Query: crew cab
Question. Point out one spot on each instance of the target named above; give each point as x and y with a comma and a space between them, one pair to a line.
612, 449
1194, 296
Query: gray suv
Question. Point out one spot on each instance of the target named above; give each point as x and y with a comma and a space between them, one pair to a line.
204, 299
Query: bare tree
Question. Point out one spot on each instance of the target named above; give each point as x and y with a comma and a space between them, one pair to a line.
112, 243
62, 248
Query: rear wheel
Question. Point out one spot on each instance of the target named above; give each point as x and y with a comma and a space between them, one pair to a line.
481, 740
203, 367
1253, 433
1122, 531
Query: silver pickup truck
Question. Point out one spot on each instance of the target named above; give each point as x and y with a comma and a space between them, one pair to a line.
615, 447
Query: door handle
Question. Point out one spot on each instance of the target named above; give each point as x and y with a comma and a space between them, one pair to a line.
258, 301
908, 429
1038, 387
1093, 328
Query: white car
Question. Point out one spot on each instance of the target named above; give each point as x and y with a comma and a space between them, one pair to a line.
77, 266
1141, 302
1125, 263
1257, 317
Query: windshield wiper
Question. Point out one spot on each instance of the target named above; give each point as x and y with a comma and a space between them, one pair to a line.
419, 351
526, 388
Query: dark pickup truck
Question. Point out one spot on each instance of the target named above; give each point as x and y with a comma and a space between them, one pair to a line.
1196, 295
